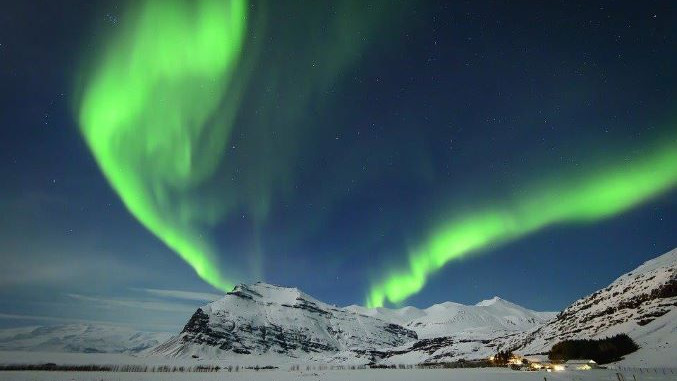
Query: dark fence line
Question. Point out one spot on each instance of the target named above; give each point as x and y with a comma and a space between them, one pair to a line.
665, 371
429, 365
640, 371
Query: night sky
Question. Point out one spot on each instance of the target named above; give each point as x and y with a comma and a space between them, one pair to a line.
152, 155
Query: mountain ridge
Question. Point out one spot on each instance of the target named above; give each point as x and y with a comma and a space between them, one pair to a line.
283, 324
261, 318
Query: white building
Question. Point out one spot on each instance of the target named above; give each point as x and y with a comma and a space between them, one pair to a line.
582, 364
538, 361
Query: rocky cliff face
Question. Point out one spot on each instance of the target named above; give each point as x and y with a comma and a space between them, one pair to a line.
637, 303
262, 318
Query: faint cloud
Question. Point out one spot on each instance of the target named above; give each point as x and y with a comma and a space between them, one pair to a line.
54, 319
41, 268
117, 303
178, 294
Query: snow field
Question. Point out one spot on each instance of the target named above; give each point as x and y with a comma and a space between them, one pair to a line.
486, 374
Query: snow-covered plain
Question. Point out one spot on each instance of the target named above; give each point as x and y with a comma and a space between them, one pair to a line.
486, 374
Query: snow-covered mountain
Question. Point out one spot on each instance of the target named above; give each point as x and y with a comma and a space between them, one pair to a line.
273, 320
83, 338
270, 320
452, 331
278, 324
641, 303
487, 319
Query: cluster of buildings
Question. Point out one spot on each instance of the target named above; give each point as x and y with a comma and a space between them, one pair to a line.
541, 362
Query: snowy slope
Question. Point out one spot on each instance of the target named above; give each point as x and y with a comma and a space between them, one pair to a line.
451, 332
267, 319
657, 341
85, 338
641, 303
486, 320
400, 316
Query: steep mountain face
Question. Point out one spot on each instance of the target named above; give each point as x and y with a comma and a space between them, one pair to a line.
82, 338
639, 303
267, 319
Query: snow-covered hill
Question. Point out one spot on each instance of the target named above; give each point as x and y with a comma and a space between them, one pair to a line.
641, 303
487, 319
267, 319
83, 338
452, 331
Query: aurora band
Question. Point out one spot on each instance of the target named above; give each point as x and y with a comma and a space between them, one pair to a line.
602, 193
152, 115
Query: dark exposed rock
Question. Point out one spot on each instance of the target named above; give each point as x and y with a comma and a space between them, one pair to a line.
246, 321
642, 296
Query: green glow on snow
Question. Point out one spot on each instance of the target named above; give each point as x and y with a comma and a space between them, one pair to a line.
148, 114
600, 194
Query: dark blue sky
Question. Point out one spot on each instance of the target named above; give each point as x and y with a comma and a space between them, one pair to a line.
441, 105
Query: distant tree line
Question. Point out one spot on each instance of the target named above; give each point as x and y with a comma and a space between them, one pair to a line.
54, 367
603, 351
502, 357
111, 368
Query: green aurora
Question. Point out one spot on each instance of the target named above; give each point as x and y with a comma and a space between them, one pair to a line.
147, 113
160, 107
601, 193
158, 115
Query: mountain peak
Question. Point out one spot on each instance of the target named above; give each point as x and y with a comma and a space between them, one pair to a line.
268, 319
261, 291
492, 301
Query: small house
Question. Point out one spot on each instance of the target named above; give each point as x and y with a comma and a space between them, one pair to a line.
580, 364
538, 362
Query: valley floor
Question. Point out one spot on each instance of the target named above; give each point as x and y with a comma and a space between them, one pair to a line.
485, 374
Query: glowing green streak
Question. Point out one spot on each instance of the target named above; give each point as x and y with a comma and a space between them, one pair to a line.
598, 195
148, 112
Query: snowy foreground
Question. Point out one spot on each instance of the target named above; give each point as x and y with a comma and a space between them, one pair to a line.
486, 374
283, 373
